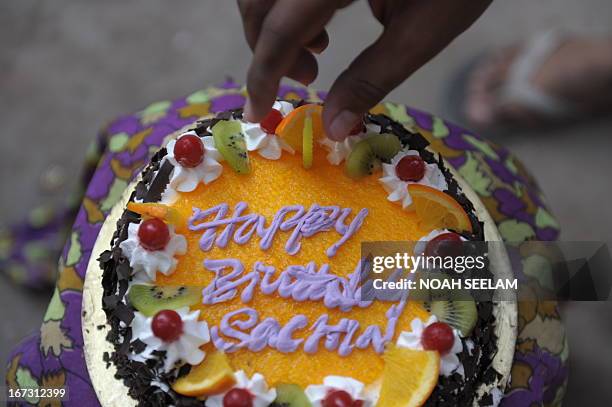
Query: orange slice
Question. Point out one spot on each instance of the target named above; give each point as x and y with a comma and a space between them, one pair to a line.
213, 376
156, 210
409, 377
291, 128
438, 210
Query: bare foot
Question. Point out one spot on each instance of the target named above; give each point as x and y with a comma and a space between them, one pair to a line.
578, 73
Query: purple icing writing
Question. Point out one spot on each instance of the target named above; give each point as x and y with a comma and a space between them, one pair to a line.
235, 327
301, 283
219, 226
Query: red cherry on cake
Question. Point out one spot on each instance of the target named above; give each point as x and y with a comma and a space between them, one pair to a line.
358, 128
445, 244
438, 336
189, 151
338, 398
271, 121
153, 234
167, 325
238, 398
410, 168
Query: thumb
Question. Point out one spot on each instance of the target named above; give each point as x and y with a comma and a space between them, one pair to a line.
367, 80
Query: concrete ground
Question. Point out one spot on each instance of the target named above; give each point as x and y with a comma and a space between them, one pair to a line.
66, 67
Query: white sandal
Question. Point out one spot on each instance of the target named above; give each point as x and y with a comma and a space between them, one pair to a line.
518, 88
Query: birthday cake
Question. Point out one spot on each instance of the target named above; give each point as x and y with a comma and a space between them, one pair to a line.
234, 275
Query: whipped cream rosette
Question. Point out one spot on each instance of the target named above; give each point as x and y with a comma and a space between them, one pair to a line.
398, 187
185, 347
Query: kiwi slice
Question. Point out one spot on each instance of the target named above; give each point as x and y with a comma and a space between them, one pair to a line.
385, 146
460, 314
229, 140
291, 395
150, 299
367, 154
361, 161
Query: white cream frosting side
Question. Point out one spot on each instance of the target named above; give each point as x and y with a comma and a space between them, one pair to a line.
184, 179
186, 348
449, 362
398, 189
269, 146
147, 263
317, 393
257, 386
338, 151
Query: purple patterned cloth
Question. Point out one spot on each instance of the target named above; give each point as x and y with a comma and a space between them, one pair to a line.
28, 251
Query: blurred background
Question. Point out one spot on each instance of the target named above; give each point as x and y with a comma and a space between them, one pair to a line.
67, 67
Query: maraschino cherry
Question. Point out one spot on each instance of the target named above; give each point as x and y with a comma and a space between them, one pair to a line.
153, 234
410, 168
238, 398
358, 128
189, 151
445, 244
438, 336
340, 398
271, 121
167, 325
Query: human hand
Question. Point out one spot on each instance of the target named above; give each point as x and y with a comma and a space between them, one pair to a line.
284, 35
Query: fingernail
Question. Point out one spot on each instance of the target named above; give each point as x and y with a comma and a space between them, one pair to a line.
248, 110
342, 124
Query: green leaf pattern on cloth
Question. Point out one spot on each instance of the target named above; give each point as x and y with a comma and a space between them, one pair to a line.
439, 128
544, 219
118, 141
55, 310
74, 253
477, 179
482, 145
114, 194
515, 231
25, 380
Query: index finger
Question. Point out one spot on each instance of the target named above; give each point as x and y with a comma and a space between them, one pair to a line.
253, 13
289, 26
